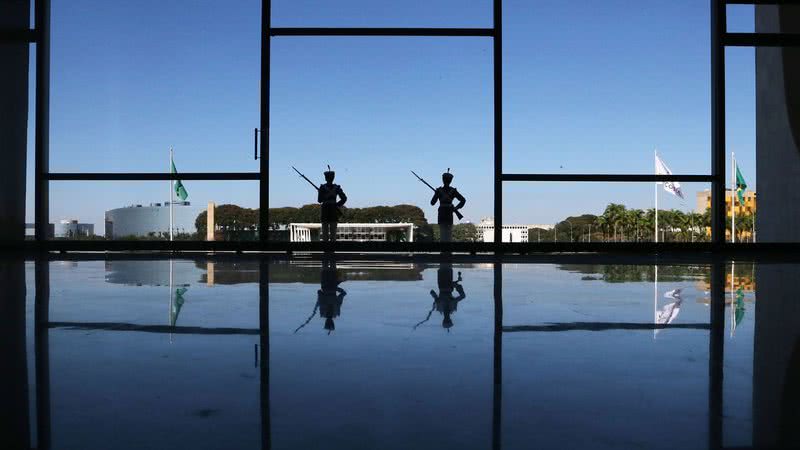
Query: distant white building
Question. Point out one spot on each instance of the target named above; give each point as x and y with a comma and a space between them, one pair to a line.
71, 229
359, 232
150, 221
511, 232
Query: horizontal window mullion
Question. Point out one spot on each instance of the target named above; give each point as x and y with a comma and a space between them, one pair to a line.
16, 36
632, 178
211, 176
430, 32
761, 39
760, 2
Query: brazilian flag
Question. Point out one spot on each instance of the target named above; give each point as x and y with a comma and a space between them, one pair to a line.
741, 185
180, 191
739, 311
177, 304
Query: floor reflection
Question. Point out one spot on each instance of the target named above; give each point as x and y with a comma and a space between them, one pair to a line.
552, 356
445, 302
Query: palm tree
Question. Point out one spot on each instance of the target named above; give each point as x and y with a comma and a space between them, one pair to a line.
649, 222
637, 217
684, 222
614, 213
601, 222
744, 226
666, 222
696, 224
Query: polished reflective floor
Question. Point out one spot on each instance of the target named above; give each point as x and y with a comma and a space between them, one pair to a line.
303, 353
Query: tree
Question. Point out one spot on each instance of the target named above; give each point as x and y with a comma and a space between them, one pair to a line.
601, 222
649, 224
614, 213
236, 221
636, 220
466, 232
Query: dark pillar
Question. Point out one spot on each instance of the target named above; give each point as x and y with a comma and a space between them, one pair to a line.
775, 357
14, 411
716, 355
263, 324
14, 23
42, 353
778, 128
497, 392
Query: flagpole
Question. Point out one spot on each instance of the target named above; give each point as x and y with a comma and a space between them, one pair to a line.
733, 198
655, 160
171, 195
733, 315
170, 299
655, 301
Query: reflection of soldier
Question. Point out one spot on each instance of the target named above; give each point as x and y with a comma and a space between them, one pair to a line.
445, 302
329, 297
445, 196
327, 197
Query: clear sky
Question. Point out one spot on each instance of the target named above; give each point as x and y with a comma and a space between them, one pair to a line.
589, 86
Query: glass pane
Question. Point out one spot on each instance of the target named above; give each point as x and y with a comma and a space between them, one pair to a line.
583, 343
341, 102
130, 80
604, 212
595, 87
387, 349
741, 18
141, 210
740, 138
740, 323
161, 358
382, 13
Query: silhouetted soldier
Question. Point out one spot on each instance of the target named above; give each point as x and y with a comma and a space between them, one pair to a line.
445, 196
327, 197
329, 296
444, 301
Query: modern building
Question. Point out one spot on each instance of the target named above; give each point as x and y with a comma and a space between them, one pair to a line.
72, 229
358, 232
150, 221
511, 232
746, 209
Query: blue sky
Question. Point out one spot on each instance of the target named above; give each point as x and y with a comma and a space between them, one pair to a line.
588, 87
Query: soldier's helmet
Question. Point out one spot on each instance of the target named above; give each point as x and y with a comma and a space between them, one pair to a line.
329, 174
447, 177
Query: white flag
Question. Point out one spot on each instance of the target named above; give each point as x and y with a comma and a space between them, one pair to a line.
670, 311
673, 187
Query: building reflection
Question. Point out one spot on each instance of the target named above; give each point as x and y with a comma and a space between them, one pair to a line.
739, 285
179, 276
305, 271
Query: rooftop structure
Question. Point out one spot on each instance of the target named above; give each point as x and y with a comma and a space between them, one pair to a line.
511, 232
358, 232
